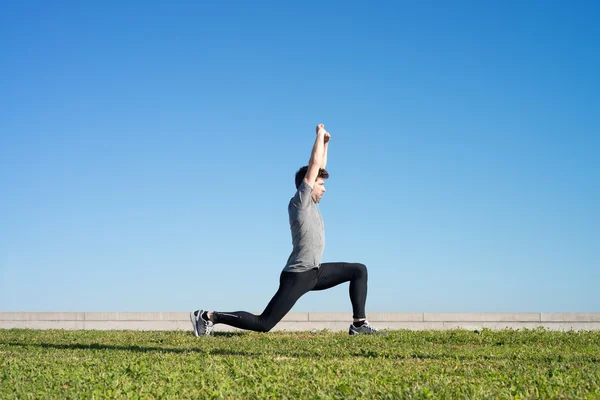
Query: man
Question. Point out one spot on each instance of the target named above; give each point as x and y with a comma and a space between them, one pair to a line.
303, 271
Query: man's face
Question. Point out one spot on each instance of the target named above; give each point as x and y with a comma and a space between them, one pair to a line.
318, 190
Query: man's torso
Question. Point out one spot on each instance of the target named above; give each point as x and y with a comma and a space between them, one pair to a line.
308, 232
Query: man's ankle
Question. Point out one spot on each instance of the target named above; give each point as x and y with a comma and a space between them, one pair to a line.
209, 314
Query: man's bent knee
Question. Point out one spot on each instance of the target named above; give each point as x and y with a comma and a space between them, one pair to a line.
267, 325
361, 269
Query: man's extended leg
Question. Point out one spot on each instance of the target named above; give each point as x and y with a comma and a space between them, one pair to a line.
292, 285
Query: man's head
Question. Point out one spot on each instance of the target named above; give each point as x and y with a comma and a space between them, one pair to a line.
318, 185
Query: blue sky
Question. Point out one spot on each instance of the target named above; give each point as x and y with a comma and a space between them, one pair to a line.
148, 152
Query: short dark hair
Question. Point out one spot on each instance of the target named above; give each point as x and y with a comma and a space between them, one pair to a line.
302, 173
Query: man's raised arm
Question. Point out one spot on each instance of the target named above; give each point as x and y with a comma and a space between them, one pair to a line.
326, 144
318, 157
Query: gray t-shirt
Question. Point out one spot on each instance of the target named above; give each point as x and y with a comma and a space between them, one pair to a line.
308, 232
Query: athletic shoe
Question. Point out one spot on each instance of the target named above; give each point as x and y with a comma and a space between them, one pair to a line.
202, 327
365, 329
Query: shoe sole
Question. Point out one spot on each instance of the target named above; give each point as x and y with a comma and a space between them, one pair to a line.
193, 319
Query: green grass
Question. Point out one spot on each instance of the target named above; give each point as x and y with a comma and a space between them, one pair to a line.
300, 365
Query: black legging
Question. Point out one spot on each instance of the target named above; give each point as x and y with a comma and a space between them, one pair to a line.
292, 285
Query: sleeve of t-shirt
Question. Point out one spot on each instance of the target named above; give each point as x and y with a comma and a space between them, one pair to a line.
302, 198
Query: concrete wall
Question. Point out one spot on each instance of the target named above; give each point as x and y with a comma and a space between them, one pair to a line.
302, 321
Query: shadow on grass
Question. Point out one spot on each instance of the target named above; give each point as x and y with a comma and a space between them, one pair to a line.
363, 353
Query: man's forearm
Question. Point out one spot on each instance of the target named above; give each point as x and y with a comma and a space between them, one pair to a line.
324, 162
318, 154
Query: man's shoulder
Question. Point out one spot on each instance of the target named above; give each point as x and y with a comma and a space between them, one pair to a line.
296, 209
299, 205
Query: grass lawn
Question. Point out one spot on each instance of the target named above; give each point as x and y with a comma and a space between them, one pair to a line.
300, 365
